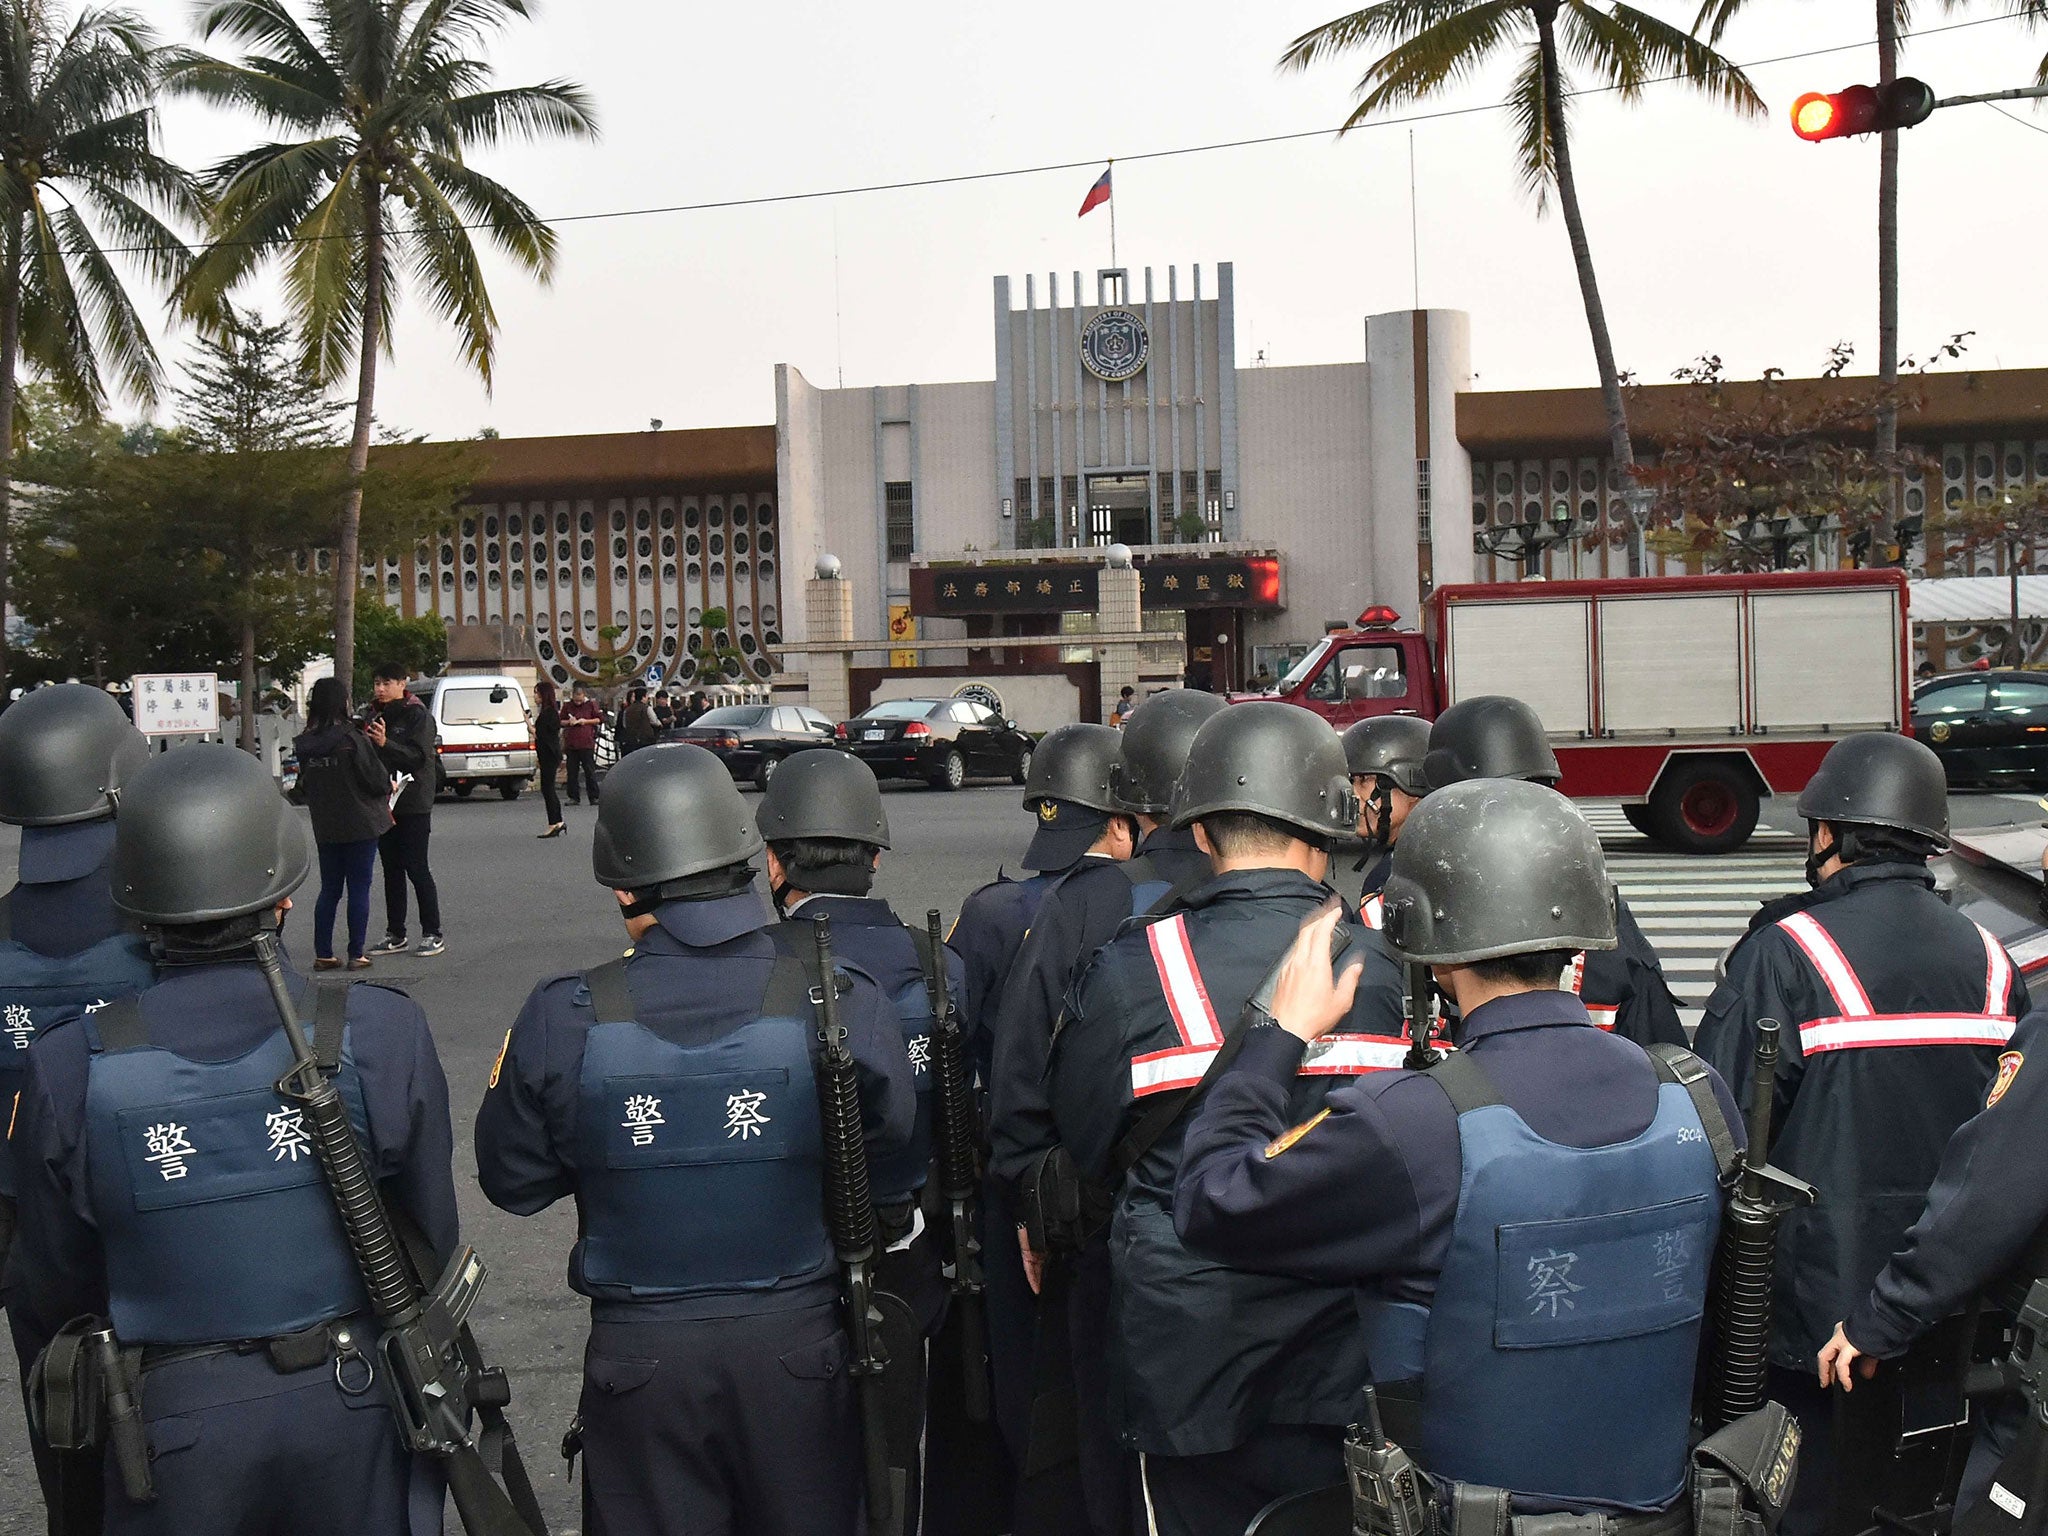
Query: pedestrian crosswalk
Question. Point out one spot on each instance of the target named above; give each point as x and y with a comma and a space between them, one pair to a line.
1692, 907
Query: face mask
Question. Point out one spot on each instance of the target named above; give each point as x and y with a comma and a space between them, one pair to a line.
1819, 854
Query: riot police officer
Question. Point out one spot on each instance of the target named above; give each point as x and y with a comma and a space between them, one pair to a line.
673, 1095
822, 819
1496, 737
1136, 865
1492, 1204
65, 754
1984, 1229
1067, 790
1385, 756
165, 1183
1231, 1387
1895, 1007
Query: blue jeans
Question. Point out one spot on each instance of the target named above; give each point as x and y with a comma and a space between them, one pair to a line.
353, 864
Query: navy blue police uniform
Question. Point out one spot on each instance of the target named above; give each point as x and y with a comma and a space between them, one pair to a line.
1231, 1386
1623, 988
987, 935
165, 1185
1985, 1221
1895, 1007
1084, 910
1495, 1221
673, 1096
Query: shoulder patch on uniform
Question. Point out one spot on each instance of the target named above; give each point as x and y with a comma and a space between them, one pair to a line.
1287, 1139
499, 1065
2008, 1068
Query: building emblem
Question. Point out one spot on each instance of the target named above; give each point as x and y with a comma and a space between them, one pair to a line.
1114, 345
982, 694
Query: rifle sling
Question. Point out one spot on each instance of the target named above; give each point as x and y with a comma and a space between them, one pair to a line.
1675, 1064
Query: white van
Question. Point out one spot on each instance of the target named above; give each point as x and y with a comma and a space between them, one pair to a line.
483, 731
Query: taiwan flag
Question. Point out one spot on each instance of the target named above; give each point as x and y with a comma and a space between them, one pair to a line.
1097, 195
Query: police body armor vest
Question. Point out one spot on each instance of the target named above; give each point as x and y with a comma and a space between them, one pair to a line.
38, 992
700, 1168
1557, 1357
216, 1220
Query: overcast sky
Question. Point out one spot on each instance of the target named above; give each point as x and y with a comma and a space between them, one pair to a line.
1710, 233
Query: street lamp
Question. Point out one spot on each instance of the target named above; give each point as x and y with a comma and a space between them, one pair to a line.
1524, 542
1778, 532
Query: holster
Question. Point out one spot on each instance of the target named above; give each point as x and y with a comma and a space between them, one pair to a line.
1061, 1209
85, 1391
1469, 1509
1743, 1474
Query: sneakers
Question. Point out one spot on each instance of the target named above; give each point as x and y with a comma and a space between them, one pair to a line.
390, 944
431, 944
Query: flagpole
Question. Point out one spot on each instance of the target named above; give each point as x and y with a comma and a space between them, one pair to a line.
1111, 173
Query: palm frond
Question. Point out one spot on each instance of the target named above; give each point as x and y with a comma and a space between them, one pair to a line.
55, 338
1444, 54
269, 88
1536, 148
266, 195
1384, 22
474, 199
552, 109
268, 25
444, 262
118, 336
1651, 49
323, 280
155, 246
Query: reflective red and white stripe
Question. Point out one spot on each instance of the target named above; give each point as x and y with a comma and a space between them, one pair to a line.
1603, 1015
1373, 911
1857, 1025
1201, 1034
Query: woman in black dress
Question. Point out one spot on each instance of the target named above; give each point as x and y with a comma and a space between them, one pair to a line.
547, 741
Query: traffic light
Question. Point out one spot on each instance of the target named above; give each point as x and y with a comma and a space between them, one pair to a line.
1858, 109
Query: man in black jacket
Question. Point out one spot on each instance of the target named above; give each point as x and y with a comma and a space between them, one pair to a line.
402, 730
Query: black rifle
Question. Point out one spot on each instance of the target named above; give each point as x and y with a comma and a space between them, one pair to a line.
959, 1170
1748, 1258
849, 1209
1420, 1004
433, 1378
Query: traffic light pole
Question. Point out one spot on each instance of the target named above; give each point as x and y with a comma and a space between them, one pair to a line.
2018, 93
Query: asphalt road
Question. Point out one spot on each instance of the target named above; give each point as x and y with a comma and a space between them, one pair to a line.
516, 910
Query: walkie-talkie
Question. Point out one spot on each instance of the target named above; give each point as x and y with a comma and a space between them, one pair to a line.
1386, 1490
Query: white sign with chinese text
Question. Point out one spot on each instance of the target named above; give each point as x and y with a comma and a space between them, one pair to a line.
176, 703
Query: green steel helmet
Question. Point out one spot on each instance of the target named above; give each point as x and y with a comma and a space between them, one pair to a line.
823, 793
1880, 779
1156, 740
1073, 763
66, 753
1497, 867
1489, 737
204, 835
1390, 747
669, 811
1276, 760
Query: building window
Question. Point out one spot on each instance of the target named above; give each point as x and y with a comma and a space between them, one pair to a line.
1212, 509
897, 518
1070, 511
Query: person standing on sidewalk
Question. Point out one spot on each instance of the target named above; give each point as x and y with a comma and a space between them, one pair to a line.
547, 742
581, 717
344, 783
402, 730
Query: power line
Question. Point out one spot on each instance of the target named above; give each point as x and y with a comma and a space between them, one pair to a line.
2015, 117
1012, 172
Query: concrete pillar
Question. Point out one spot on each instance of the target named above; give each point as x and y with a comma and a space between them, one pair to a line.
828, 617
1117, 611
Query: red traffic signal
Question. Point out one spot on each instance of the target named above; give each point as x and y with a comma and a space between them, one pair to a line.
1859, 109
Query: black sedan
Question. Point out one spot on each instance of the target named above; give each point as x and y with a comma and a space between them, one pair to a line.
945, 742
753, 739
1988, 728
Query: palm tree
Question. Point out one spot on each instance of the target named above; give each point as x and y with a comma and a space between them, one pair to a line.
77, 157
378, 104
1433, 45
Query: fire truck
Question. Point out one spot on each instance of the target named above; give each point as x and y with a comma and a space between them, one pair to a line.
1686, 698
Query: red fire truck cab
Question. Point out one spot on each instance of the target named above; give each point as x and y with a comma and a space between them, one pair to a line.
1688, 698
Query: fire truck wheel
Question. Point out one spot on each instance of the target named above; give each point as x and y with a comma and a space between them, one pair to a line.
1704, 806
